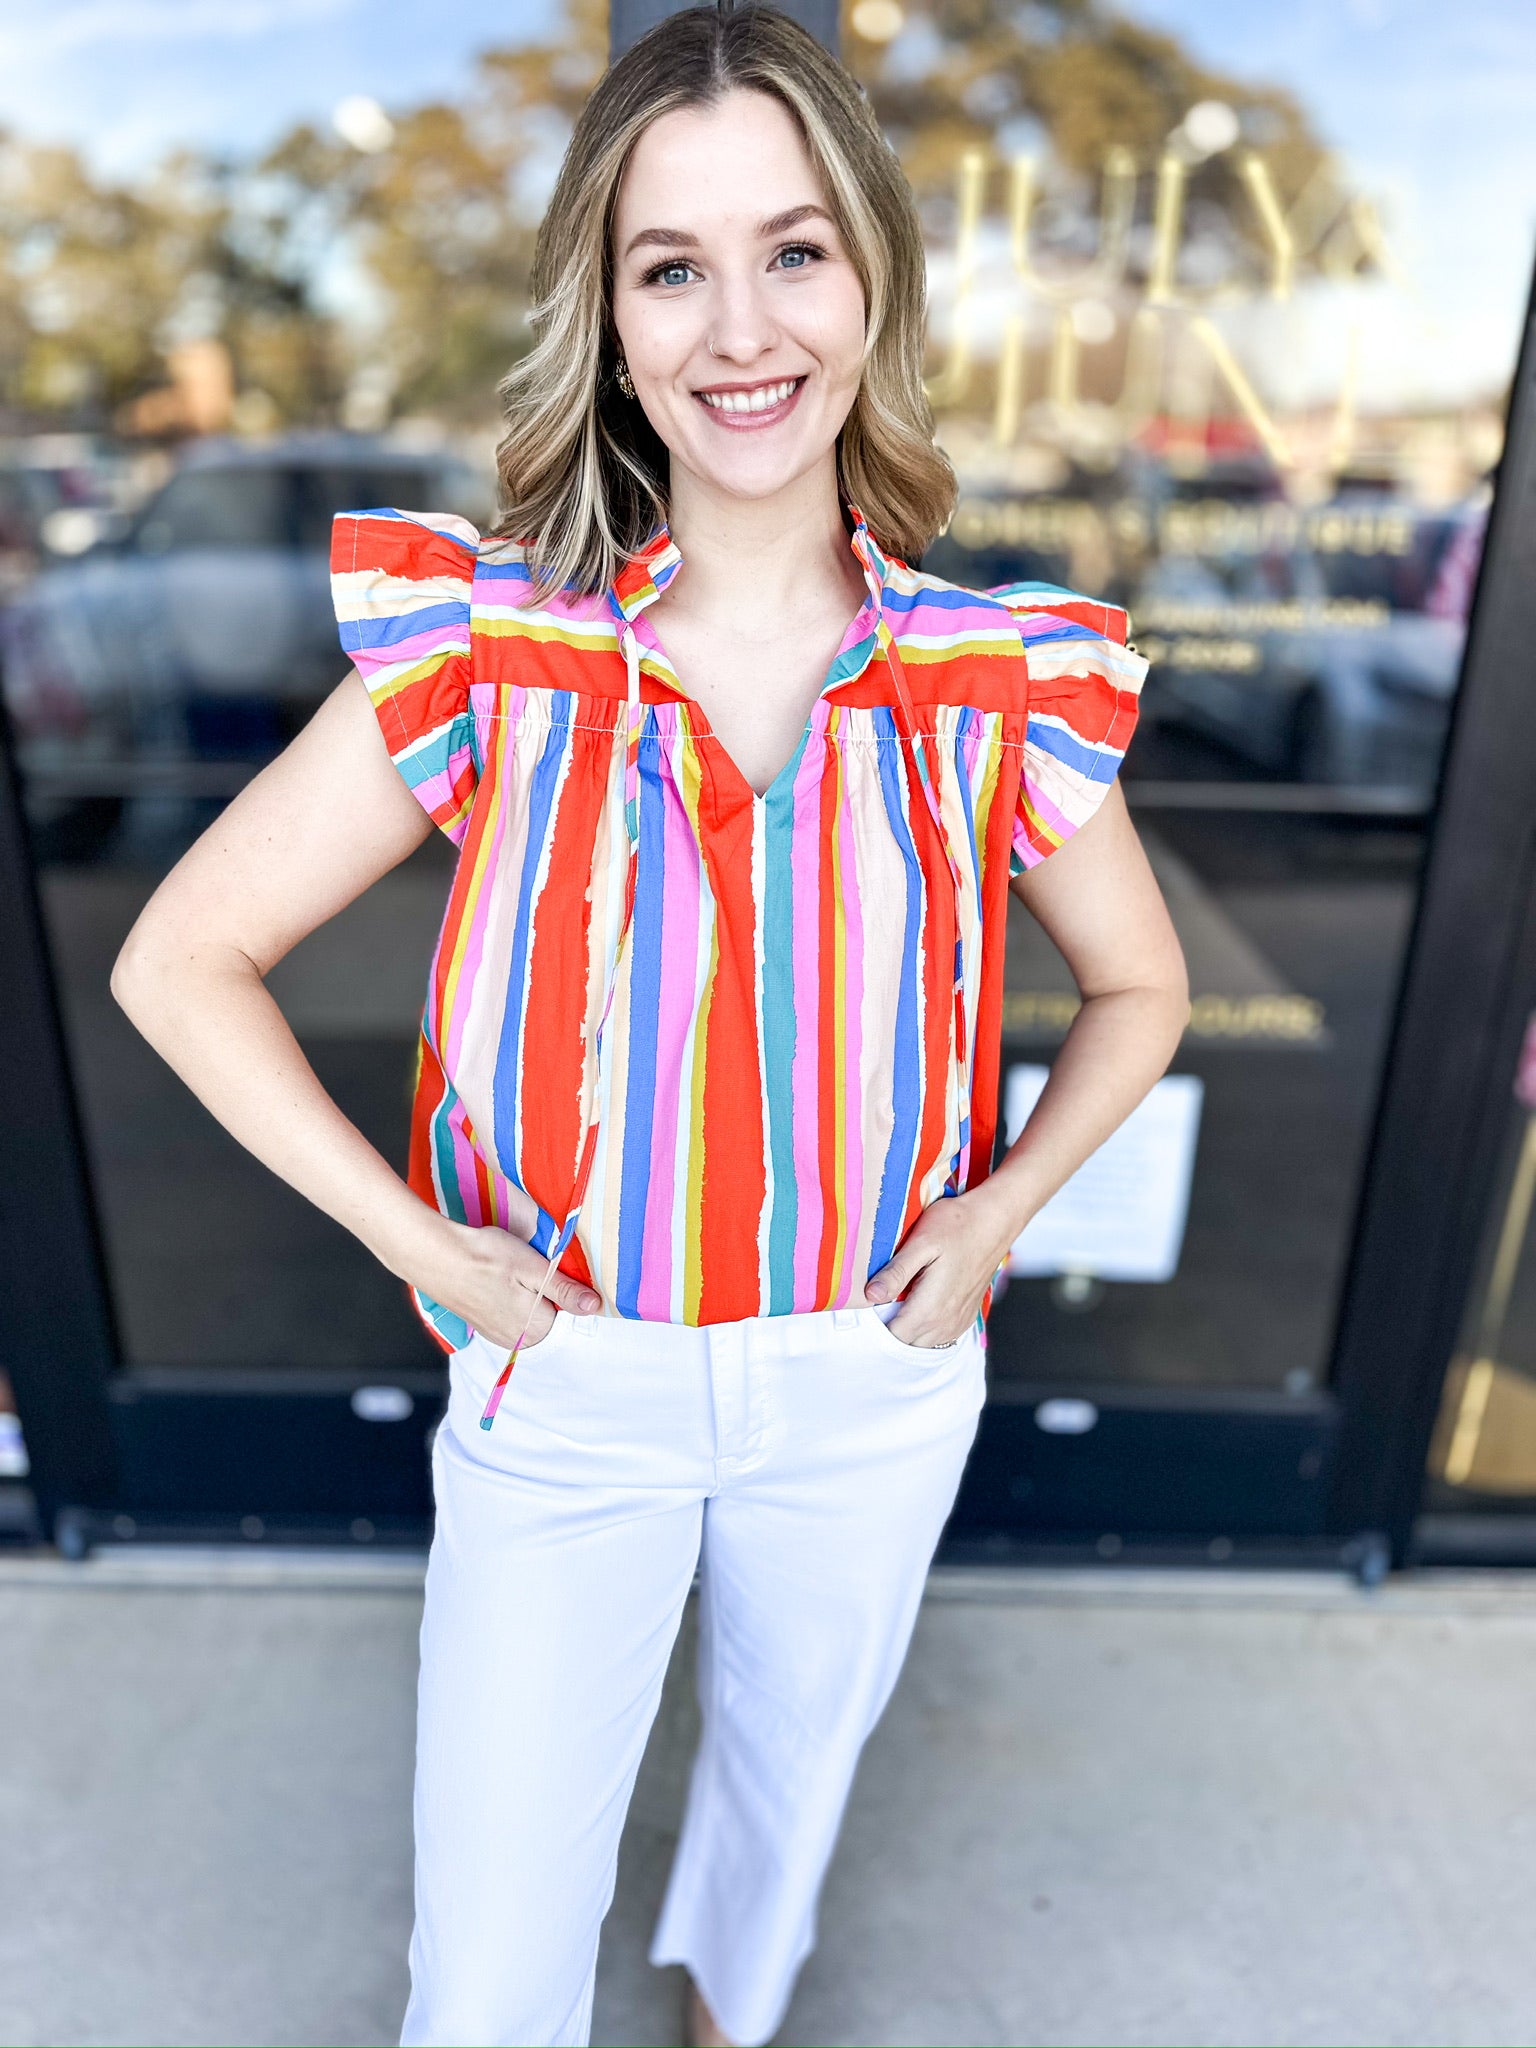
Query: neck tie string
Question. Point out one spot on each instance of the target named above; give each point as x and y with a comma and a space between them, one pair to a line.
634, 717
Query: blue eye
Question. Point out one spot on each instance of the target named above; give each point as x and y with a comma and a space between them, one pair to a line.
808, 251
665, 273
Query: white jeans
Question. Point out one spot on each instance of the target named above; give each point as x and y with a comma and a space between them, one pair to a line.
806, 1465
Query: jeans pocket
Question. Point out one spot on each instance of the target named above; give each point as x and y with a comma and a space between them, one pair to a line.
922, 1354
476, 1366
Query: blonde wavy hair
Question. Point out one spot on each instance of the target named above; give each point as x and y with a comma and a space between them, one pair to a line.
583, 474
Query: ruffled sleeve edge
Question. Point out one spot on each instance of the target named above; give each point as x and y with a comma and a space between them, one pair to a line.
401, 586
1085, 679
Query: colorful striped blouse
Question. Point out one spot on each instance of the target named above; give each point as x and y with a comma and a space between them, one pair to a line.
728, 1045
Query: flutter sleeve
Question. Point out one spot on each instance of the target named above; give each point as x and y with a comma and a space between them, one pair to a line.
1084, 700
400, 585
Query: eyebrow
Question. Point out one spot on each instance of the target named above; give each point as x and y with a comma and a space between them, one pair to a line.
680, 238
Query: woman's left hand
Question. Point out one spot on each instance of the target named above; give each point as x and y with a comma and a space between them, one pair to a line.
946, 1263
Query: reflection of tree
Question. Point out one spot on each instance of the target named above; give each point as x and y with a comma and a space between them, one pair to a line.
1074, 80
91, 272
408, 261
349, 281
442, 217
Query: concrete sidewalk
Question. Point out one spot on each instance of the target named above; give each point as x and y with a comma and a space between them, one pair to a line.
1105, 1807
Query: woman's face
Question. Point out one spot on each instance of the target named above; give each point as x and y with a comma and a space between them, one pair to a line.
737, 308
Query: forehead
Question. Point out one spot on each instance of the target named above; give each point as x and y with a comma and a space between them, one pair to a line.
720, 166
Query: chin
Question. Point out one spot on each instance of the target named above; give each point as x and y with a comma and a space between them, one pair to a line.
773, 471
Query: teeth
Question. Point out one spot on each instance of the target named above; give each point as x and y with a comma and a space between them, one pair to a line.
750, 401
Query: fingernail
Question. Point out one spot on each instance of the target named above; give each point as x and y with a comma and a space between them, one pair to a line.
874, 1291
590, 1302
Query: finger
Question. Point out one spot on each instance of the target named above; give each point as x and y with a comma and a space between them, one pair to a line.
571, 1295
897, 1276
926, 1316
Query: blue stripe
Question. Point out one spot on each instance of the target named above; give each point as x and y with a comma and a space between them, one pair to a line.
948, 597
1096, 763
508, 572
508, 1077
449, 618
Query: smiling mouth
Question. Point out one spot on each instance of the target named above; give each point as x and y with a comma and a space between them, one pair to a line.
752, 403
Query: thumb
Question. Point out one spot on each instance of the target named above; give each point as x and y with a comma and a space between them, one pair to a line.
895, 1278
572, 1295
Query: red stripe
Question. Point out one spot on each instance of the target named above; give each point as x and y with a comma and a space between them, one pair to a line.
735, 1178
985, 1064
1096, 709
554, 1050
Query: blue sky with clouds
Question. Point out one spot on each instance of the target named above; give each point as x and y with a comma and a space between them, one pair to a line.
1430, 103
127, 78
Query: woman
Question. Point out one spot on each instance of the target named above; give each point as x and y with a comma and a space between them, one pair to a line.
706, 1102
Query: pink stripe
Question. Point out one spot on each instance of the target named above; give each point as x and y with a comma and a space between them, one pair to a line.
403, 654
435, 792
679, 952
850, 1286
805, 894
971, 745
477, 911
951, 620
464, 1166
1047, 813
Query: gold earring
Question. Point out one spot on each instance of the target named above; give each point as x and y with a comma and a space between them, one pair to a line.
622, 378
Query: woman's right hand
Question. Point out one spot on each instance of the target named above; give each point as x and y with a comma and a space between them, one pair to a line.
492, 1279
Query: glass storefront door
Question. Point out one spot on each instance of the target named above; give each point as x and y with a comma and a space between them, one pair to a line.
145, 684
1224, 313
1223, 324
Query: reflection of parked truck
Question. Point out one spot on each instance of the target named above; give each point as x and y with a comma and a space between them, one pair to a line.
205, 631
1324, 667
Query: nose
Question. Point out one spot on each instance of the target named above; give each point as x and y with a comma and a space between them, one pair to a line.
741, 324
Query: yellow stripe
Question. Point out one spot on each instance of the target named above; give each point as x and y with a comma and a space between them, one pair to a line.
989, 780
402, 679
915, 654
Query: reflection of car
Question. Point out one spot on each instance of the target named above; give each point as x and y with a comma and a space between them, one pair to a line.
205, 632
1329, 667
52, 503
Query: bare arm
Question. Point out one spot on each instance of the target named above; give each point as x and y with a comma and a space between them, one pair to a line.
303, 839
1098, 900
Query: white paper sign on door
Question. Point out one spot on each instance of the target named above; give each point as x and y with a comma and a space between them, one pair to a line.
1121, 1216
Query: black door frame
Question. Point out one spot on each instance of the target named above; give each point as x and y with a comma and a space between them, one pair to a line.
120, 1453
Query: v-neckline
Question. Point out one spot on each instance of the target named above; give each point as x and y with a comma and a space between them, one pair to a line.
647, 574
718, 752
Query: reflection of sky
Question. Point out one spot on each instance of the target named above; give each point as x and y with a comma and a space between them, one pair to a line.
125, 79
1433, 109
1430, 104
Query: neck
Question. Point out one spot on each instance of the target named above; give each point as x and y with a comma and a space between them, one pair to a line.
785, 551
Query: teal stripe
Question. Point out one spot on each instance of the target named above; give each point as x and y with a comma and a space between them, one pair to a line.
450, 1194
779, 1031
